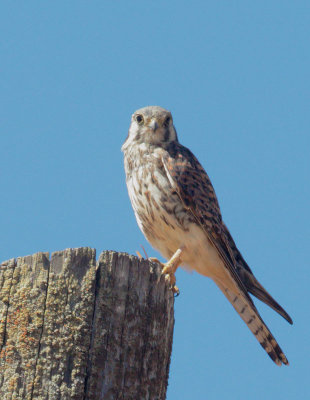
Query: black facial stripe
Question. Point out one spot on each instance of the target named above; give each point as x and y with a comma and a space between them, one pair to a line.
166, 135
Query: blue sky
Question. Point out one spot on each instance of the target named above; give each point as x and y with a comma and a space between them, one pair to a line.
235, 75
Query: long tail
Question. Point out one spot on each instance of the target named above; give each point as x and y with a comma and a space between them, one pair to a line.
255, 288
250, 282
248, 312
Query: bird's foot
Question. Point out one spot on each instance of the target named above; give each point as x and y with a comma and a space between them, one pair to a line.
168, 269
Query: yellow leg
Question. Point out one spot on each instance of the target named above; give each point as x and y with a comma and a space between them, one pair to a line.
169, 269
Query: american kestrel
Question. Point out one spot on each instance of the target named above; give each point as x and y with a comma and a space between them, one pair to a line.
177, 210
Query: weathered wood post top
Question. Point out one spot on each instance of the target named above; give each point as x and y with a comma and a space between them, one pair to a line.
74, 328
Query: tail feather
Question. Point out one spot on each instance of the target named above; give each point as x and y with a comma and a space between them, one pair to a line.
248, 312
250, 282
255, 288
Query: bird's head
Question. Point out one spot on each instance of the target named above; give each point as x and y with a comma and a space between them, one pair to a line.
151, 125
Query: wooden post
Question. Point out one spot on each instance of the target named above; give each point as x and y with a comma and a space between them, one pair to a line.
71, 328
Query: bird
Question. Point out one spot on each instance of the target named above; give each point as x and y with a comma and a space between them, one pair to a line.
177, 210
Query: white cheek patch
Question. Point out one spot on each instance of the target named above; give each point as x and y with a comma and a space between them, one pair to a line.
133, 132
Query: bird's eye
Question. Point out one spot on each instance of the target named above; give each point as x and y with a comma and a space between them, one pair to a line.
167, 121
139, 119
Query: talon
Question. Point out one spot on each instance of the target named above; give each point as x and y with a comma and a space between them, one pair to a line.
175, 291
168, 270
173, 286
156, 260
171, 278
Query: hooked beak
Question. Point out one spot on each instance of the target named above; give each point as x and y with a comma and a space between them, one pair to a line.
153, 125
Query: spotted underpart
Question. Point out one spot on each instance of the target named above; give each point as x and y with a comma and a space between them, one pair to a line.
176, 208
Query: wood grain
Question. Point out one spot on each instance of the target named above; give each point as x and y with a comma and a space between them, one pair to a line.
71, 328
